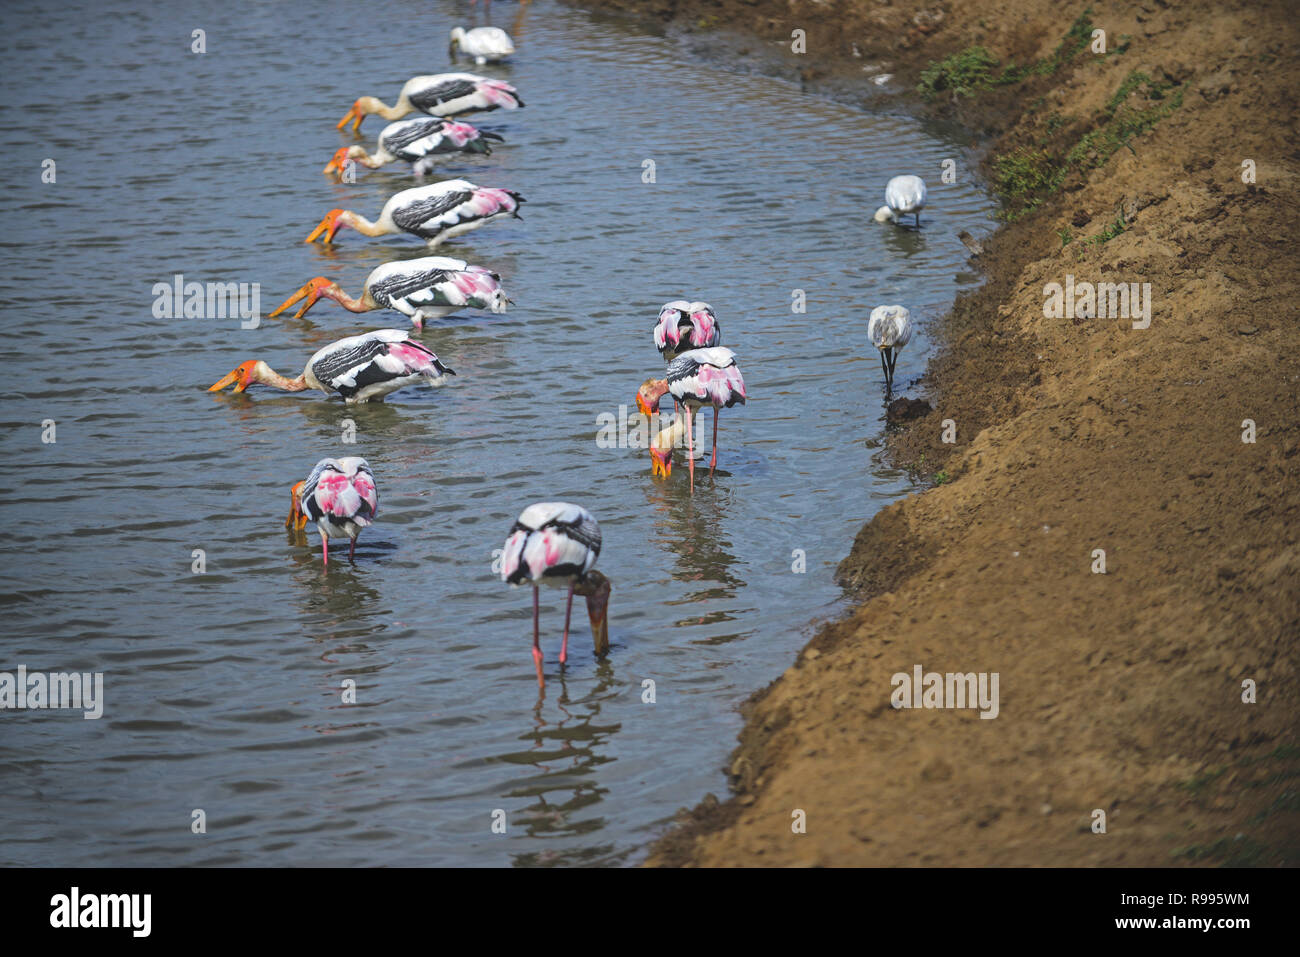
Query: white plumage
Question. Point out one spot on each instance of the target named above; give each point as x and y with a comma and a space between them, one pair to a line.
551, 543
340, 497
904, 195
557, 543
484, 44
889, 328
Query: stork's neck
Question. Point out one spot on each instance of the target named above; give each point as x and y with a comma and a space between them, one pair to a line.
373, 105
364, 304
671, 437
363, 225
380, 157
264, 374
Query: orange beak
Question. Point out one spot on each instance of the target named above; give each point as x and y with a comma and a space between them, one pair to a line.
661, 463
297, 518
311, 291
352, 114
336, 164
235, 378
329, 226
642, 405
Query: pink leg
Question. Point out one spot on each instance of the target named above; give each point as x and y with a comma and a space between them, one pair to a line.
690, 448
714, 464
537, 648
325, 549
568, 610
353, 548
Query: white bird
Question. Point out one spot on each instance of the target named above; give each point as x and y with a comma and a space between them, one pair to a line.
439, 94
421, 141
340, 497
890, 328
426, 288
903, 195
695, 378
484, 44
359, 368
435, 212
556, 544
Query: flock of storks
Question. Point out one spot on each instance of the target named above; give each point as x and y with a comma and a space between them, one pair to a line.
552, 543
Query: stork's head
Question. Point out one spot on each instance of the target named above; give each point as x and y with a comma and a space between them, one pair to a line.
297, 517
315, 289
330, 225
648, 396
362, 108
340, 160
661, 462
885, 215
457, 36
243, 375
596, 588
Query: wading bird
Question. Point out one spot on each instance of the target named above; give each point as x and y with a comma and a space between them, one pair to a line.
695, 378
890, 328
435, 212
422, 141
903, 195
361, 368
442, 94
683, 326
484, 44
556, 544
340, 497
426, 288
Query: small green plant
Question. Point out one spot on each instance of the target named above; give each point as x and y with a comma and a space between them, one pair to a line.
941, 477
964, 73
1025, 177
1110, 232
1123, 120
1076, 39
1066, 234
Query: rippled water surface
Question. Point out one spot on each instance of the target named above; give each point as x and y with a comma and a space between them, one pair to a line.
223, 689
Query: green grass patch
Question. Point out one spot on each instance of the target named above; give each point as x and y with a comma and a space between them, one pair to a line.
1229, 851
963, 74
1135, 108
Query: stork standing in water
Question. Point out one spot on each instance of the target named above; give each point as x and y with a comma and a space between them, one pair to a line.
695, 378
484, 44
889, 328
440, 94
360, 368
683, 326
904, 195
340, 497
556, 544
435, 212
422, 141
426, 288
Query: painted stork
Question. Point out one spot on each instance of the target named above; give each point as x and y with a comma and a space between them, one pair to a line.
442, 94
556, 544
889, 328
435, 212
421, 141
683, 326
340, 497
361, 368
484, 44
903, 195
426, 288
695, 378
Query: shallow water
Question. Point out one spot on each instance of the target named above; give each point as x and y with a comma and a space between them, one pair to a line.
223, 689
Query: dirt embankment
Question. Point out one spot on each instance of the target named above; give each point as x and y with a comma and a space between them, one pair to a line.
1123, 690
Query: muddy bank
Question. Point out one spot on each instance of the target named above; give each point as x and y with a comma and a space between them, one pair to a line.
1120, 690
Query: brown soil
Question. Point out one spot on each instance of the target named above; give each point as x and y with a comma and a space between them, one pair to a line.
1120, 691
